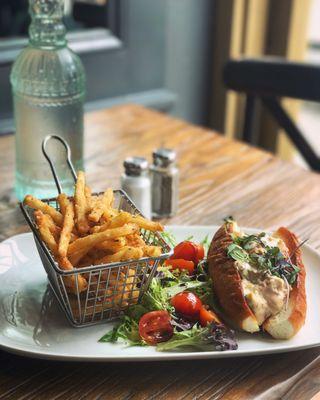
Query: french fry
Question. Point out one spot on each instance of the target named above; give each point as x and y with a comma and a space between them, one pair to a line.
80, 247
74, 282
95, 238
78, 255
124, 217
126, 253
115, 221
37, 204
132, 253
81, 204
54, 229
109, 198
113, 245
151, 251
73, 237
96, 210
68, 223
63, 262
62, 200
130, 283
93, 202
102, 206
147, 224
111, 257
109, 214
87, 193
86, 261
115, 295
135, 240
45, 232
123, 287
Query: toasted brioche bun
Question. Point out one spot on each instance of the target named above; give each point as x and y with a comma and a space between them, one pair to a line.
227, 281
227, 287
289, 320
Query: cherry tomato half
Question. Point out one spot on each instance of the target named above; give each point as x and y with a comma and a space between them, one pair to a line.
187, 304
181, 264
155, 327
188, 251
208, 316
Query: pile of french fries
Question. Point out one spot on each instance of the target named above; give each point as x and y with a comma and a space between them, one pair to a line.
88, 230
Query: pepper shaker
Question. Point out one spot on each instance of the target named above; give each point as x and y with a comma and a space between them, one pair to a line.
135, 181
165, 183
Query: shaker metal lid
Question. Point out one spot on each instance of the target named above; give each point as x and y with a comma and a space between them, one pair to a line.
135, 165
164, 157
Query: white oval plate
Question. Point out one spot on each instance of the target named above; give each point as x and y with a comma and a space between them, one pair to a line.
32, 324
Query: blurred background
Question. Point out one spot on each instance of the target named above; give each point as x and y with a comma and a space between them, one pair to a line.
169, 55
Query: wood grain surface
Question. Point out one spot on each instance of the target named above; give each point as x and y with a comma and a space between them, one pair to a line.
218, 178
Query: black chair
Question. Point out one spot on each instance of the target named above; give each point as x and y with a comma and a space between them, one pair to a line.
268, 79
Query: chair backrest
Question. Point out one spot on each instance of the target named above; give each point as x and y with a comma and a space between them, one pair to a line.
268, 79
274, 76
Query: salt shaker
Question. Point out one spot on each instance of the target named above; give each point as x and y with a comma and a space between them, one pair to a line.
135, 181
165, 183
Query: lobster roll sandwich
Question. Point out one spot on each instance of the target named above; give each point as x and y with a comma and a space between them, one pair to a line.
259, 279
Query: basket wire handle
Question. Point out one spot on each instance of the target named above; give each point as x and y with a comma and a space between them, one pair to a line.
52, 167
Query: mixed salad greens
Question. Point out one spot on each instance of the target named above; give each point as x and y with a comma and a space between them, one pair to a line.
176, 312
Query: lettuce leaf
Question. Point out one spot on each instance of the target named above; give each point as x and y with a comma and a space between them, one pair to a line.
156, 297
127, 330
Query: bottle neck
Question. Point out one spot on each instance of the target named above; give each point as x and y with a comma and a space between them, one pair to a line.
47, 28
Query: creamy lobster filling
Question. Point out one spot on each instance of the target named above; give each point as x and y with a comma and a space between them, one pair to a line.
266, 294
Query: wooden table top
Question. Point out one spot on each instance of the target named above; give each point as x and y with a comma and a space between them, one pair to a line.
219, 178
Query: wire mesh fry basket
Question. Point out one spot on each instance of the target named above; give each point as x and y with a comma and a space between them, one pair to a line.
111, 288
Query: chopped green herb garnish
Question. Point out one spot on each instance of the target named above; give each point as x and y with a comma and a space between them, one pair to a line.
270, 259
237, 253
248, 240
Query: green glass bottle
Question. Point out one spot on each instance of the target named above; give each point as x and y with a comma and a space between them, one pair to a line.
48, 84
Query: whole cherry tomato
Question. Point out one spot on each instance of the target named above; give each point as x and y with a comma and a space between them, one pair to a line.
207, 316
187, 304
188, 251
181, 264
155, 327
